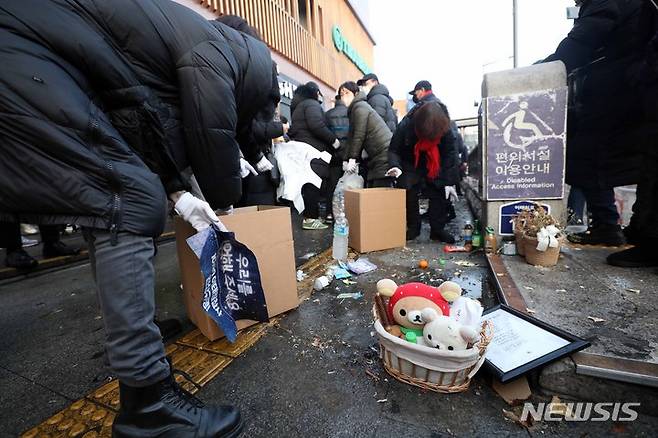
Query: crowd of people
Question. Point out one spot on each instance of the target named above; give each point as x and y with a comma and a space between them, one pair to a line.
611, 57
116, 113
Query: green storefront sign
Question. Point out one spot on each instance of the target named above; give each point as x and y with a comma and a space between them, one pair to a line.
343, 46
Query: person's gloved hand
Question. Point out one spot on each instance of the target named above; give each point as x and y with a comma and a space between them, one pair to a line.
286, 128
350, 166
336, 144
264, 165
197, 212
395, 172
246, 168
451, 193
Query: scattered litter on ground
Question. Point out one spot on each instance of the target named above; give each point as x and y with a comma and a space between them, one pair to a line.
465, 264
383, 400
331, 372
595, 319
348, 282
319, 344
342, 273
362, 266
353, 296
530, 311
513, 392
423, 264
560, 290
636, 291
308, 256
500, 274
317, 300
528, 288
455, 248
442, 261
300, 276
373, 375
510, 415
582, 287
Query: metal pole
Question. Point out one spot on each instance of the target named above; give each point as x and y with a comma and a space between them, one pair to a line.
515, 14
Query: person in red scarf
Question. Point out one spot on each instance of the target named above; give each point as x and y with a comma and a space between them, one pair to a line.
423, 156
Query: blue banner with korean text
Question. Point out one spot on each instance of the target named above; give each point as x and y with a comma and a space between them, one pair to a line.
232, 285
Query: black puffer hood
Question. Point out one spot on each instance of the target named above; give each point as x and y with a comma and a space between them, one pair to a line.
380, 89
302, 93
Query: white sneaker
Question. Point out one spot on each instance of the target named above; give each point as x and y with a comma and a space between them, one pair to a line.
28, 242
314, 224
29, 229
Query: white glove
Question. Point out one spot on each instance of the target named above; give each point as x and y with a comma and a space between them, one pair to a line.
451, 193
336, 144
350, 166
395, 172
246, 168
286, 128
197, 212
264, 165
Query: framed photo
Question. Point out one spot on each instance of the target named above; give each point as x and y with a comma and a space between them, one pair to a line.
522, 343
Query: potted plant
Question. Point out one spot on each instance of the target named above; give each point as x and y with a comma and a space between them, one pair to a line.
543, 238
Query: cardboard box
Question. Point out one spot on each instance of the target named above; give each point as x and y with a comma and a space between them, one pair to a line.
377, 218
267, 231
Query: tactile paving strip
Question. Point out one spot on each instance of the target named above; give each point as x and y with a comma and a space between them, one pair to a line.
246, 339
83, 419
93, 416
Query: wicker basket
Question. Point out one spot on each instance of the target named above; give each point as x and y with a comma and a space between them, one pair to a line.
541, 258
429, 368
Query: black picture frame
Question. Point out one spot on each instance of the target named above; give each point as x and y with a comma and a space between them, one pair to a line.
575, 344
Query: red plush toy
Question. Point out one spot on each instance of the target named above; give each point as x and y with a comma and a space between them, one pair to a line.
409, 300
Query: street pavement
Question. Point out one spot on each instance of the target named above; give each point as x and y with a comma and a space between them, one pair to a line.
305, 377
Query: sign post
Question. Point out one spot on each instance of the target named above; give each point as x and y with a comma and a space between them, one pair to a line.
524, 127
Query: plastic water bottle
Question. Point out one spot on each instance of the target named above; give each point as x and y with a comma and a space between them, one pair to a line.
341, 237
341, 226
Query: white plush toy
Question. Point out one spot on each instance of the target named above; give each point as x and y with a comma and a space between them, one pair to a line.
445, 333
467, 311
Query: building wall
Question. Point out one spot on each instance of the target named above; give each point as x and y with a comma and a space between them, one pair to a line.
303, 46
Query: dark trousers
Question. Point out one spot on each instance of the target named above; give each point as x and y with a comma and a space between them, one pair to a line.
644, 223
10, 235
311, 194
380, 182
438, 211
601, 203
576, 201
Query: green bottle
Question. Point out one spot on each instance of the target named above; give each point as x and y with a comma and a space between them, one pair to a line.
477, 236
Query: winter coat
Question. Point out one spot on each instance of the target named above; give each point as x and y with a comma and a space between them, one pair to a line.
308, 121
607, 125
105, 102
368, 131
401, 150
382, 102
339, 123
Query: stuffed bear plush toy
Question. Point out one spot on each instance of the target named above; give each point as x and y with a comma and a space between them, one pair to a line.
445, 333
407, 303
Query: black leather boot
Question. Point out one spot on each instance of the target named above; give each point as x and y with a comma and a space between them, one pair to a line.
164, 409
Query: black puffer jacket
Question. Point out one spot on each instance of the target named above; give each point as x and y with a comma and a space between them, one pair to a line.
401, 150
92, 90
607, 124
309, 123
368, 131
339, 123
380, 99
